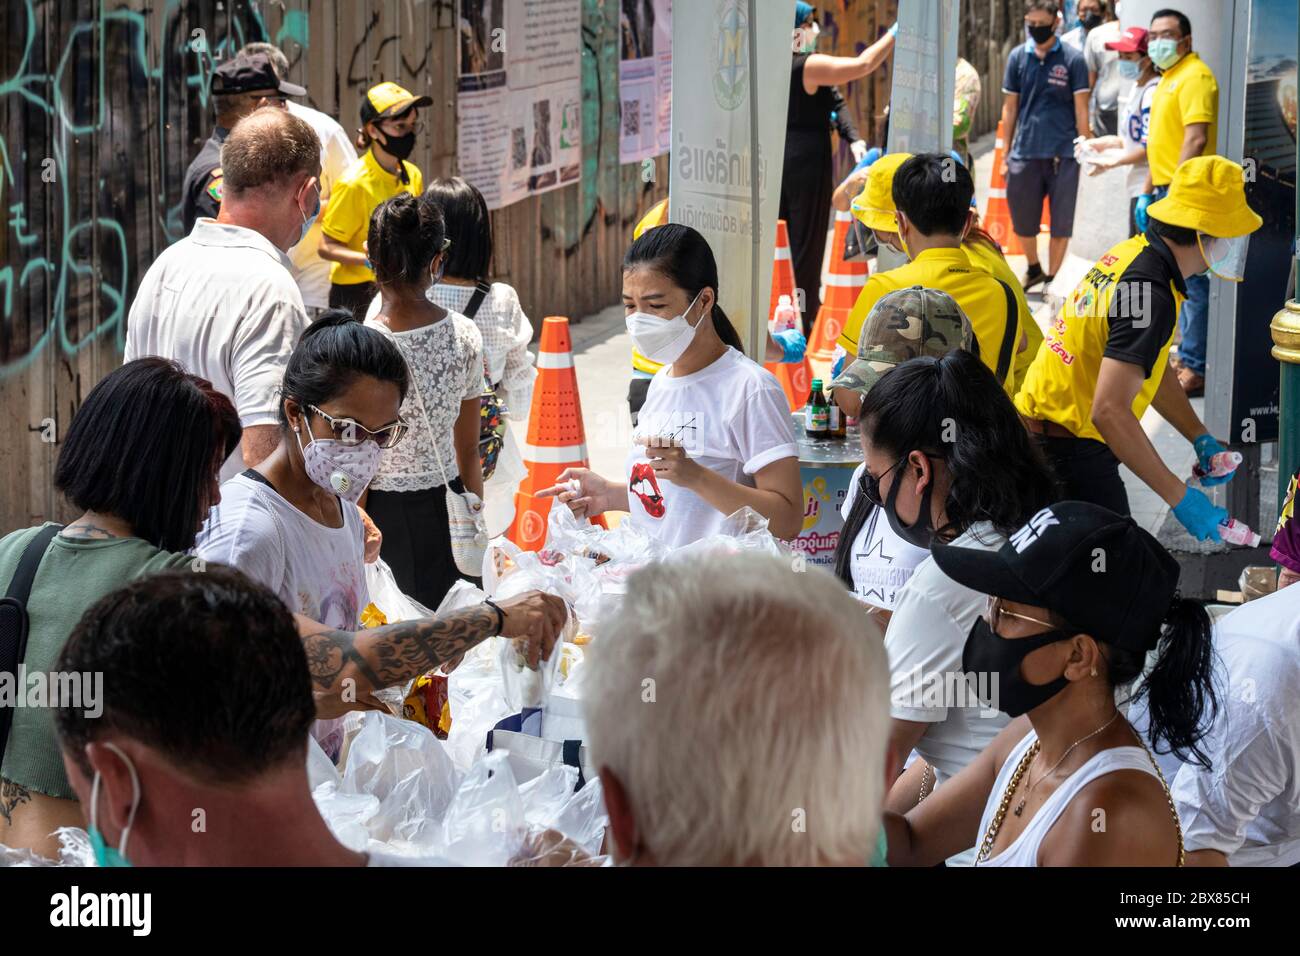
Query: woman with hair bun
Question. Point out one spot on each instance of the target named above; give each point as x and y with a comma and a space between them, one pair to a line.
409, 249
714, 434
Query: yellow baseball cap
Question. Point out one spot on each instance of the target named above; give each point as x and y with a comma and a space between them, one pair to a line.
389, 99
874, 206
1208, 194
657, 216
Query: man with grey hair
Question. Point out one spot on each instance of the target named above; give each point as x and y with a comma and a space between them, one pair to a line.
740, 725
337, 153
221, 301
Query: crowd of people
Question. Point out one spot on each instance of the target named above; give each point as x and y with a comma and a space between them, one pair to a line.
1001, 654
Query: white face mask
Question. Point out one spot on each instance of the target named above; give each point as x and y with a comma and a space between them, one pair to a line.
663, 340
343, 470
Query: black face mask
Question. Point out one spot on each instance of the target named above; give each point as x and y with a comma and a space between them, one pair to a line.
1041, 35
986, 653
1090, 22
399, 146
921, 533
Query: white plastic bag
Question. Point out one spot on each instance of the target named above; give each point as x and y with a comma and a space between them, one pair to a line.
485, 824
388, 597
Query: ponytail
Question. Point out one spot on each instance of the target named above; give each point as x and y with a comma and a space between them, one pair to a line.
722, 325
1181, 697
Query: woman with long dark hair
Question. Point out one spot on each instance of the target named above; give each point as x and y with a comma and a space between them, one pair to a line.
140, 461
1079, 599
947, 460
715, 434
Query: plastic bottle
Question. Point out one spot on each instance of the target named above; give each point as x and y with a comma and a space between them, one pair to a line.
835, 423
785, 316
1237, 532
817, 413
1221, 463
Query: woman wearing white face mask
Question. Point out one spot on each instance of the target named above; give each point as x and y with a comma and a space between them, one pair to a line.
292, 523
714, 434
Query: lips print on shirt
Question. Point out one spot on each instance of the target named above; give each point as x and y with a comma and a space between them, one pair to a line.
644, 486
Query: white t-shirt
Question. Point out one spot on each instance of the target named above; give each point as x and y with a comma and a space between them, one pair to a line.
336, 154
1248, 805
925, 639
1134, 122
223, 304
1105, 63
731, 416
881, 562
445, 360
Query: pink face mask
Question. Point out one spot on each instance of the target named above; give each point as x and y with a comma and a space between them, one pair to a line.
339, 468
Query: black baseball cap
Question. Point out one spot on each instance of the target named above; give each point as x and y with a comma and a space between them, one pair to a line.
251, 71
1095, 568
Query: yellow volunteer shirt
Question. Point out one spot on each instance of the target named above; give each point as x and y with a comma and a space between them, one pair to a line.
1187, 94
979, 294
1125, 308
987, 259
353, 198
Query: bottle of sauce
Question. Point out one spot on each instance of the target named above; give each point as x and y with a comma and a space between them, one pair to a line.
817, 413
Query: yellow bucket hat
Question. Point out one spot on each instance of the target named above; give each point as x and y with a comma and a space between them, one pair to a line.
874, 206
657, 216
1208, 194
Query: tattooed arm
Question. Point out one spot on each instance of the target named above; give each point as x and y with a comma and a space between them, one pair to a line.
347, 666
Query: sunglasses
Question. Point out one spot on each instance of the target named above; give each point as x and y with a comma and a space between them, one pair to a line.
352, 433
869, 484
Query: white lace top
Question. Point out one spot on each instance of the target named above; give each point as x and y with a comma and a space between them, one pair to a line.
506, 334
446, 365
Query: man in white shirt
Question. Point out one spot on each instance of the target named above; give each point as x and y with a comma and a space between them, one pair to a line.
222, 301
337, 153
1245, 810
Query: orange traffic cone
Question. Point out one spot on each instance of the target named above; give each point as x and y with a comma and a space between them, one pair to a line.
843, 283
997, 214
555, 437
795, 377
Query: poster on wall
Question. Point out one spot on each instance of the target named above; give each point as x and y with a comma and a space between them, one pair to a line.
645, 79
717, 157
519, 102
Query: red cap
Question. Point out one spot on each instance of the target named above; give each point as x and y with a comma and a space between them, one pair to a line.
1132, 40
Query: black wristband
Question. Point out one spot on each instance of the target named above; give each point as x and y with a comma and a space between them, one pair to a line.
501, 615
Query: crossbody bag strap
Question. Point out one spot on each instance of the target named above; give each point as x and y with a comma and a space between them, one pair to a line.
481, 289
14, 618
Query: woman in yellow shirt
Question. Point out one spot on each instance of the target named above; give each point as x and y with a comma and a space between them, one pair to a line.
389, 125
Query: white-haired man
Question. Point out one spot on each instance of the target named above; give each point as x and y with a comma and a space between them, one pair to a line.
740, 723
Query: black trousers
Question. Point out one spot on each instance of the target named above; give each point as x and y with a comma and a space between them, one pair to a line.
417, 541
1086, 470
354, 296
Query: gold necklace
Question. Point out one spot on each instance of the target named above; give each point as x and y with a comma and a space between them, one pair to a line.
1020, 807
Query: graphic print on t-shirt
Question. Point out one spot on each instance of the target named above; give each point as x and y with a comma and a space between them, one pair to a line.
674, 428
644, 486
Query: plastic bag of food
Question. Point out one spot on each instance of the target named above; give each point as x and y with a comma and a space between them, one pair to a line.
583, 818
624, 544
403, 766
552, 848
388, 597
476, 698
743, 530
485, 823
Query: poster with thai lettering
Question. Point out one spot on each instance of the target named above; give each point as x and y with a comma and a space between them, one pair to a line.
519, 102
645, 79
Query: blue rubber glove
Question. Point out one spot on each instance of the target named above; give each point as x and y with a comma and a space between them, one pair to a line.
893, 31
841, 357
1140, 211
792, 343
1199, 516
1207, 446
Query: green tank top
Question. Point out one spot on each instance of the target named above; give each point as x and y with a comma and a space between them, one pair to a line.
73, 575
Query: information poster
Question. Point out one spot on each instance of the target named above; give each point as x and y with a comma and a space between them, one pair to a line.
924, 77
645, 79
519, 103
718, 157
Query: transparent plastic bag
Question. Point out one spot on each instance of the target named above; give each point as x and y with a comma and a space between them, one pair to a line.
485, 823
388, 597
477, 699
743, 530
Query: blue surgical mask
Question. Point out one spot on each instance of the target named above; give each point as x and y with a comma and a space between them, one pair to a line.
106, 855
1163, 52
1129, 69
308, 220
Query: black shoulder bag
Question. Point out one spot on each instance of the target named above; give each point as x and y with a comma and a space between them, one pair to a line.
14, 620
1009, 338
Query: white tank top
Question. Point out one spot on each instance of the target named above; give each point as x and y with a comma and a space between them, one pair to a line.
1023, 850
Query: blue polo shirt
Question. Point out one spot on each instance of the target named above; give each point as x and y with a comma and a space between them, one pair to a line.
1045, 124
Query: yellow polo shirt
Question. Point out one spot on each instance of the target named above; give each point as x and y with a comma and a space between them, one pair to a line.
1125, 308
987, 259
353, 198
979, 294
1187, 94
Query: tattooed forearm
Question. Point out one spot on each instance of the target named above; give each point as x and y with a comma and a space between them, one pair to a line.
11, 795
395, 653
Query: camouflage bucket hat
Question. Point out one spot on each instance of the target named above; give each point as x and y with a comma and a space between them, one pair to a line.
902, 325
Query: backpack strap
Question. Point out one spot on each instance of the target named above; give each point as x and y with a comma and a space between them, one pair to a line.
14, 619
480, 293
1009, 337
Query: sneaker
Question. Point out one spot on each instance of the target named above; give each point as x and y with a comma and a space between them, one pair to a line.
1033, 276
1193, 383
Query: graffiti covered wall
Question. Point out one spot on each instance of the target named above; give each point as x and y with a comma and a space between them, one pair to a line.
104, 102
